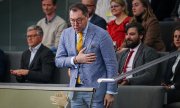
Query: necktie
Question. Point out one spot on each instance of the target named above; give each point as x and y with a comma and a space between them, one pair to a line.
127, 61
79, 42
79, 47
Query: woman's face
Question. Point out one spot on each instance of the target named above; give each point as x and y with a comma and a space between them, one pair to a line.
176, 39
116, 9
137, 7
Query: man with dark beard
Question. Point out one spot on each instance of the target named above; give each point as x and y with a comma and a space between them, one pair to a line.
136, 55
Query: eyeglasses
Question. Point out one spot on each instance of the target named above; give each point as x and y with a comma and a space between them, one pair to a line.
31, 36
79, 20
114, 6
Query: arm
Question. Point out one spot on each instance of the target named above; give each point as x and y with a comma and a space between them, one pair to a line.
109, 57
62, 58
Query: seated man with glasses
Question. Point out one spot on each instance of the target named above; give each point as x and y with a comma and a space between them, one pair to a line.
37, 63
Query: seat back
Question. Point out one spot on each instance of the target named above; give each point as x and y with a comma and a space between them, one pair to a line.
139, 97
13, 59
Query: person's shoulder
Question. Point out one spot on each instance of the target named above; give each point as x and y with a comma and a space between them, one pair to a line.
59, 19
151, 19
44, 49
99, 17
41, 21
112, 22
148, 49
96, 28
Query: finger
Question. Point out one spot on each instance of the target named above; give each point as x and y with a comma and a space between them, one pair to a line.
82, 50
90, 54
109, 104
91, 57
105, 102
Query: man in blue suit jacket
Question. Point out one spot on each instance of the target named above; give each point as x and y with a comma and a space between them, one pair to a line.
95, 60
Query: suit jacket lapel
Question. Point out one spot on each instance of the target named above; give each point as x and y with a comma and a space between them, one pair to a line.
139, 52
73, 38
123, 60
36, 55
89, 37
27, 59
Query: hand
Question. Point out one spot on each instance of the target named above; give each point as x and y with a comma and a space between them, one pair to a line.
167, 87
108, 100
19, 72
60, 99
85, 58
124, 82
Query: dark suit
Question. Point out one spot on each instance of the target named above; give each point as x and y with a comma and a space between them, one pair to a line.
99, 21
144, 55
41, 67
3, 66
174, 94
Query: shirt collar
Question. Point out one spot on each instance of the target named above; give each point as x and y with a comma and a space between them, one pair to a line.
46, 21
32, 49
85, 29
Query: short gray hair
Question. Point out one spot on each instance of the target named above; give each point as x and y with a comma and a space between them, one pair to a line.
37, 28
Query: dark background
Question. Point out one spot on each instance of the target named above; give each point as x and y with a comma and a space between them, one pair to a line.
17, 15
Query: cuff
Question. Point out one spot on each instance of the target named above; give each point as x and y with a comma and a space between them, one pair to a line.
72, 62
110, 92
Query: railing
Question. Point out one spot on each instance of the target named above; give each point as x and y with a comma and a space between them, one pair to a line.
140, 68
25, 95
45, 87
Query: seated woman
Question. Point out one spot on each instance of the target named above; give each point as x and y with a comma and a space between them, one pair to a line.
142, 13
172, 75
116, 27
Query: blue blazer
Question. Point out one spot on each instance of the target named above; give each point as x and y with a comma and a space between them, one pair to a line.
97, 41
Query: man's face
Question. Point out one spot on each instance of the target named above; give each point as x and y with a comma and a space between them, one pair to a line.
132, 38
33, 39
78, 20
90, 5
48, 7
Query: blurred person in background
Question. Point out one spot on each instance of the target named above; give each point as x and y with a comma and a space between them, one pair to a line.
116, 27
143, 13
172, 75
52, 24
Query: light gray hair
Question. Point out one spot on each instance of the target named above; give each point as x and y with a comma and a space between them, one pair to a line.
37, 28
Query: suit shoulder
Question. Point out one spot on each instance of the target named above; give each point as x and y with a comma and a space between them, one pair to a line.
149, 50
99, 18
